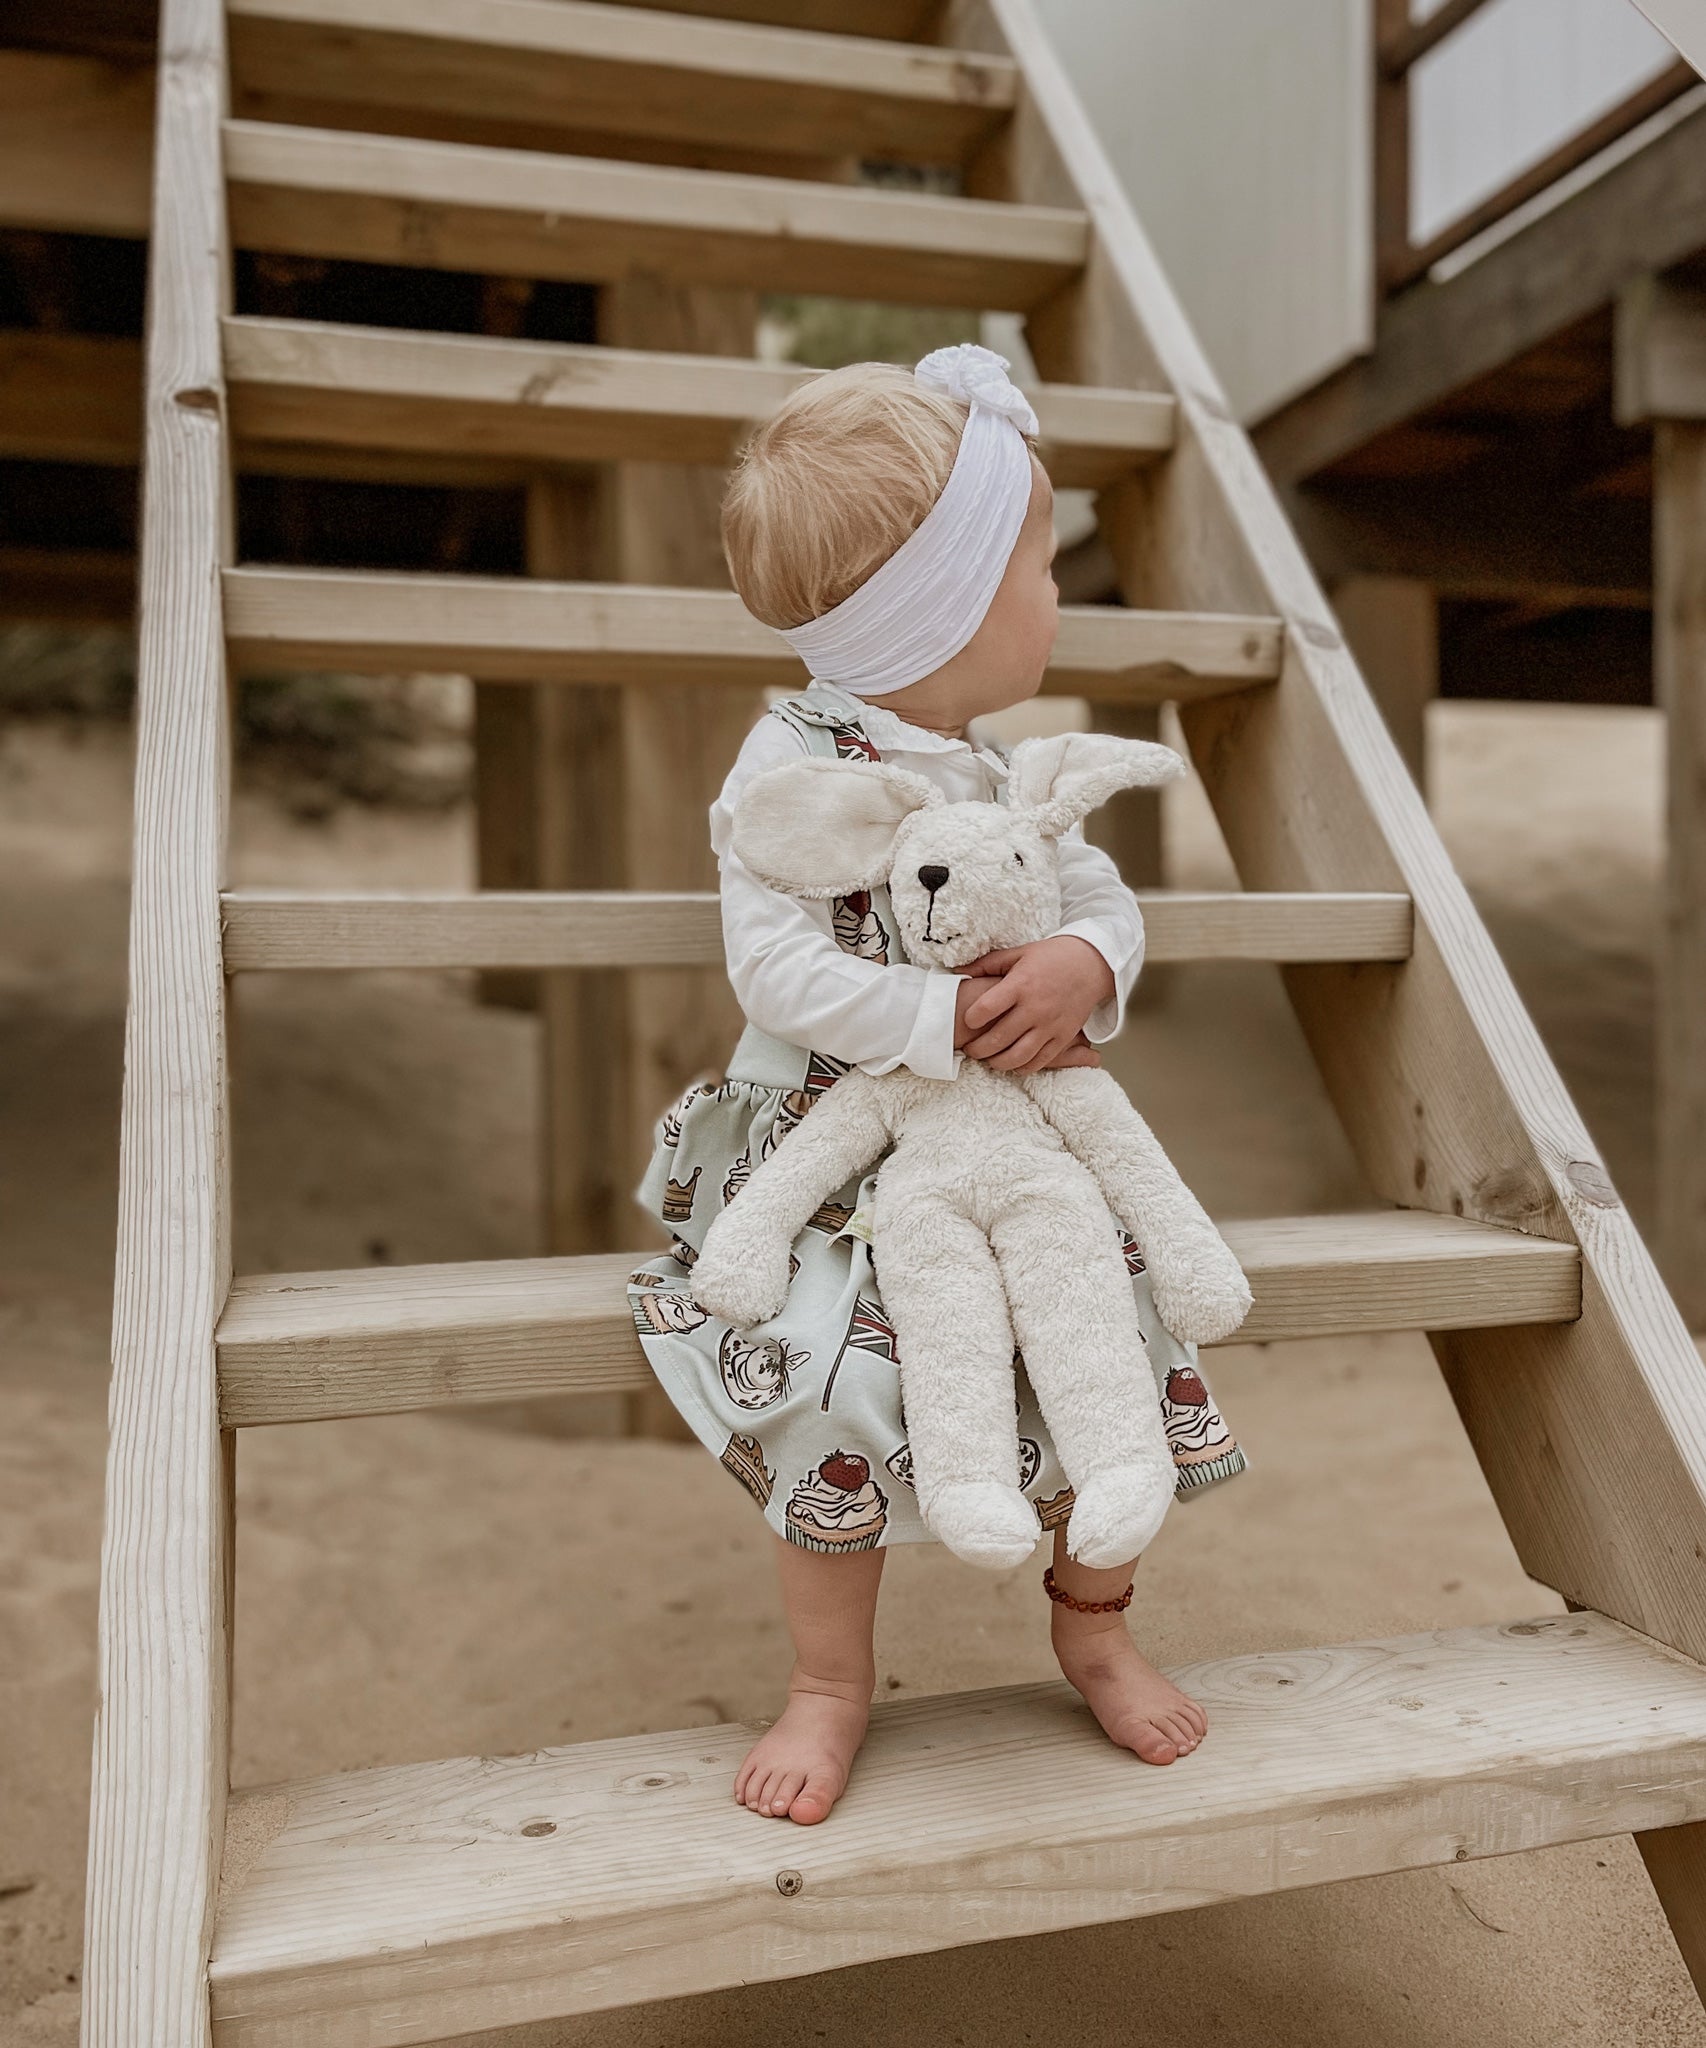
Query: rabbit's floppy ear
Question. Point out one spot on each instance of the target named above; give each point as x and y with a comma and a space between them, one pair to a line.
825, 828
1066, 776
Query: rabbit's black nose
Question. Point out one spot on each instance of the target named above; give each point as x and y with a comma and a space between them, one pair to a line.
932, 878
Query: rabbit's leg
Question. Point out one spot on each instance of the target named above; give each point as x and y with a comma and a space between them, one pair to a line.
943, 1294
1077, 1326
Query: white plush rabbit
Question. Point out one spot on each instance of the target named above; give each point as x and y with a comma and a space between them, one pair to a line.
991, 1216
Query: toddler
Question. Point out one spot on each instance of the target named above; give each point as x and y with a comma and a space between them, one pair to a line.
898, 529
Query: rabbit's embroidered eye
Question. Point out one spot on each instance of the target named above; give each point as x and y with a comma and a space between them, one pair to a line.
1018, 860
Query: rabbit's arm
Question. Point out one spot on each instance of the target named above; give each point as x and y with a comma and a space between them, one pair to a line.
742, 1273
1200, 1289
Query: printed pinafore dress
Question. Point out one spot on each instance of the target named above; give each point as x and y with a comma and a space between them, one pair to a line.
805, 1411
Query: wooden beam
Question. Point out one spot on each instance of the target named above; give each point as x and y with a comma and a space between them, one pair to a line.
70, 397
1570, 155
301, 1347
1496, 533
594, 66
1392, 624
1659, 352
1645, 214
1403, 46
591, 1876
895, 21
318, 192
162, 1746
76, 144
588, 633
307, 383
1440, 1080
1679, 689
275, 929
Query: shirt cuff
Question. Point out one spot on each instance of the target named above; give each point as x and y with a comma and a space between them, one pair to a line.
929, 1050
1123, 959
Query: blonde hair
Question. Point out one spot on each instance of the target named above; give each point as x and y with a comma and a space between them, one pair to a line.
831, 484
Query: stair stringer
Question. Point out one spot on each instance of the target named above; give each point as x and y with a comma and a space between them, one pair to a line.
1592, 1436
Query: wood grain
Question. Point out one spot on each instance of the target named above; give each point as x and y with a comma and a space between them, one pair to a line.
287, 929
578, 1879
1679, 690
598, 67
300, 1347
510, 212
1592, 1438
312, 384
161, 1744
502, 628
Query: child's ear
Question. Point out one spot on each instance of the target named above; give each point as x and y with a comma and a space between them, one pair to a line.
1066, 776
825, 828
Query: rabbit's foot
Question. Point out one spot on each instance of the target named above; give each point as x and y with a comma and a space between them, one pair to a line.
984, 1522
740, 1280
1205, 1300
1116, 1514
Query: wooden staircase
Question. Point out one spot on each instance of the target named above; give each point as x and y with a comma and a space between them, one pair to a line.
332, 1911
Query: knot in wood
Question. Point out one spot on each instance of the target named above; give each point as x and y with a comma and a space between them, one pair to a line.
1591, 1181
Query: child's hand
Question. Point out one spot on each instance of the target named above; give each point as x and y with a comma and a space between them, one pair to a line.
1026, 1007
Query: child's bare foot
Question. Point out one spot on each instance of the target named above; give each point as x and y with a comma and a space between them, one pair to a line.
798, 1769
1139, 1708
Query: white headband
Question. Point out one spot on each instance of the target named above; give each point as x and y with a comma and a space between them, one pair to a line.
931, 595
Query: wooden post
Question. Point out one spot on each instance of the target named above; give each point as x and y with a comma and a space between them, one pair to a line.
1392, 624
161, 1761
1391, 149
506, 823
1661, 377
1679, 689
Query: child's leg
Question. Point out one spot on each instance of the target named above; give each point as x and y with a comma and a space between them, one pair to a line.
799, 1768
1138, 1708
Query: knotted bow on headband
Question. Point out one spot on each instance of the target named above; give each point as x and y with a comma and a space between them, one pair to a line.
931, 595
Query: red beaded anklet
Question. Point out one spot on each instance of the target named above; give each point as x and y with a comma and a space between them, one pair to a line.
1065, 1599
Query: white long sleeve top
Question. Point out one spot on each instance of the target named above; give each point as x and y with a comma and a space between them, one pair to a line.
793, 981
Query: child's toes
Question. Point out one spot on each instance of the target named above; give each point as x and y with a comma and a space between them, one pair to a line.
783, 1790
817, 1796
1152, 1742
758, 1790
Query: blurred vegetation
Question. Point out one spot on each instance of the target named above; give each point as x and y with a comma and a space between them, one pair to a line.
316, 740
825, 333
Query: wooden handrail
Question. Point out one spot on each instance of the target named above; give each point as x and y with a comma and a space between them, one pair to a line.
1399, 53
1403, 267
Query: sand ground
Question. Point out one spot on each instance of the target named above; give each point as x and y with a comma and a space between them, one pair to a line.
424, 1586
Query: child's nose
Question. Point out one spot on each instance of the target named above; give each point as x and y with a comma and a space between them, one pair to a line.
932, 877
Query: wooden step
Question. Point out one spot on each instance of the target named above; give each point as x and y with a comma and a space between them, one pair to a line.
304, 1347
417, 1901
513, 629
302, 382
288, 929
576, 64
516, 212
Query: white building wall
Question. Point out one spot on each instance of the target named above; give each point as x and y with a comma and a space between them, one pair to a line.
1242, 129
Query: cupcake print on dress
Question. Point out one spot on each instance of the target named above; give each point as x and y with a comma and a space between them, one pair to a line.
1200, 1441
838, 1507
756, 1371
